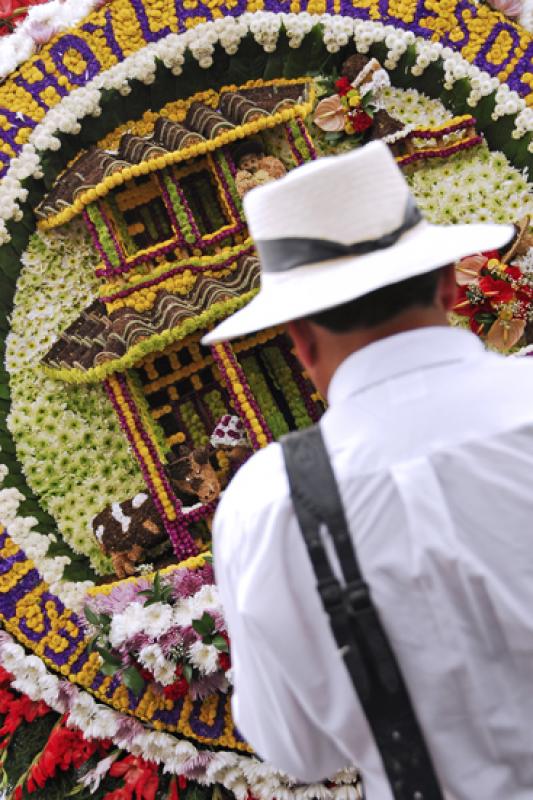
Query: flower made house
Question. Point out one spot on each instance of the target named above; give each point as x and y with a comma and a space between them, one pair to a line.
164, 212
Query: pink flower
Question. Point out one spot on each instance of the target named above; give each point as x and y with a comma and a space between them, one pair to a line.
467, 269
41, 31
511, 8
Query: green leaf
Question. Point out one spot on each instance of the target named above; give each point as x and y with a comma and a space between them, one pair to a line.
90, 615
108, 669
220, 643
109, 657
187, 672
205, 625
133, 679
333, 137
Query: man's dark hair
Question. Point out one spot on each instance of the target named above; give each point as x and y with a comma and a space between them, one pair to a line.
381, 305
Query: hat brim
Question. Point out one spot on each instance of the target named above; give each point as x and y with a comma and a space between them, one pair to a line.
311, 288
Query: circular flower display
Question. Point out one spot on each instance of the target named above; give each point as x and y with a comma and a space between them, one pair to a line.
127, 134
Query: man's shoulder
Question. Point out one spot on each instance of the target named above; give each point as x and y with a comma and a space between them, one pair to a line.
258, 484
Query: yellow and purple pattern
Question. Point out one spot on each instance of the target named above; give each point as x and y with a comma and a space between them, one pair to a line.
39, 620
72, 59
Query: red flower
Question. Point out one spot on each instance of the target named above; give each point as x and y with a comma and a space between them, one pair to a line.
140, 776
491, 254
64, 749
360, 120
342, 86
224, 661
496, 290
177, 689
514, 272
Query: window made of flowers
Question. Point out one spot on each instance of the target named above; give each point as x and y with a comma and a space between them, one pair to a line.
203, 199
140, 215
185, 393
205, 203
287, 398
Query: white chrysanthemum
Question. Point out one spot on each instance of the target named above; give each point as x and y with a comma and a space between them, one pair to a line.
82, 712
204, 657
126, 625
12, 657
178, 756
152, 658
206, 598
157, 619
182, 613
158, 747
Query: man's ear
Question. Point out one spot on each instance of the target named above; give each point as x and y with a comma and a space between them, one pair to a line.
447, 288
304, 339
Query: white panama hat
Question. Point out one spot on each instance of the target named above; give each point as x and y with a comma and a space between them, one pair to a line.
338, 228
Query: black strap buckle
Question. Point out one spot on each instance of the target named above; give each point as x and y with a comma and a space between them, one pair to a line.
356, 597
331, 592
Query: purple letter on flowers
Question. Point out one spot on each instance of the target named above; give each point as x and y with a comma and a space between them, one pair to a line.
109, 33
91, 64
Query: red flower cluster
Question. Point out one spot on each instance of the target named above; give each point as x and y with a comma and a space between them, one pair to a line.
140, 776
360, 120
16, 709
12, 12
64, 749
343, 86
495, 297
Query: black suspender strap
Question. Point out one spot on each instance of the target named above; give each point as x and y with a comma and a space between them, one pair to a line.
355, 622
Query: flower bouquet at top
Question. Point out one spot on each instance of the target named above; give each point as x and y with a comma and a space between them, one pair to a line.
348, 111
169, 632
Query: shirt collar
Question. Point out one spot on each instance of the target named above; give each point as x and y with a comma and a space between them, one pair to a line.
397, 355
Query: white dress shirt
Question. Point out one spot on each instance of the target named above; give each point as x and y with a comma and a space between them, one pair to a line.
431, 440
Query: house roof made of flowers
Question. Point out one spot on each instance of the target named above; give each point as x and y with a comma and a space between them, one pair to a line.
240, 113
99, 344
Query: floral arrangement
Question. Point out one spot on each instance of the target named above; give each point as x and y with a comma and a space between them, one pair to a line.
496, 298
347, 112
170, 631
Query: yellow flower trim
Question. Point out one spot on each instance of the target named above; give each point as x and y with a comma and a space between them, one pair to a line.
243, 406
130, 279
194, 562
133, 196
147, 419
179, 374
194, 151
447, 124
142, 449
176, 438
156, 343
438, 147
257, 339
181, 284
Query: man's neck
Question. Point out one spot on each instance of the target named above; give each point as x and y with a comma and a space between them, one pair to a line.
340, 346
